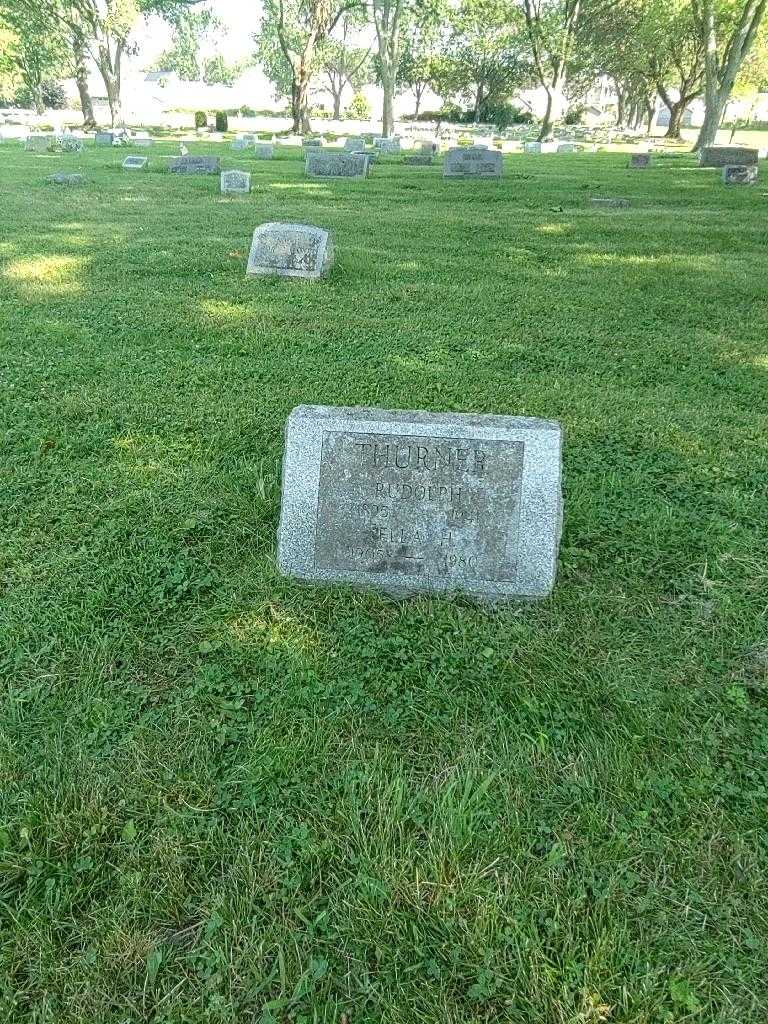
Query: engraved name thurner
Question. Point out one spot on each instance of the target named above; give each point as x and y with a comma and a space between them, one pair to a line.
420, 506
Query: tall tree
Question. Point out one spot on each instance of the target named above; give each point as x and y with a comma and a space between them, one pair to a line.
728, 29
103, 28
422, 48
342, 63
35, 48
189, 30
388, 20
288, 45
552, 27
485, 55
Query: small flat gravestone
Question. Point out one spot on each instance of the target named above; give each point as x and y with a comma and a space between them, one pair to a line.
354, 144
105, 138
235, 181
640, 161
470, 162
419, 160
419, 501
135, 163
740, 174
290, 250
263, 150
309, 143
610, 203
566, 147
336, 164
194, 165
62, 178
724, 156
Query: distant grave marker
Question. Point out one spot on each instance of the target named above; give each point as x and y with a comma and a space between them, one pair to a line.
640, 161
135, 163
105, 138
610, 203
263, 150
419, 160
471, 162
387, 145
290, 250
740, 174
724, 156
194, 165
310, 143
62, 178
336, 164
418, 501
39, 143
235, 181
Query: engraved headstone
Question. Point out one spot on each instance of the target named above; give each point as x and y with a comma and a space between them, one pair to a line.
610, 203
62, 178
135, 163
194, 165
105, 138
354, 144
235, 181
640, 160
238, 144
290, 250
740, 174
419, 501
471, 162
263, 150
39, 143
723, 156
336, 164
387, 145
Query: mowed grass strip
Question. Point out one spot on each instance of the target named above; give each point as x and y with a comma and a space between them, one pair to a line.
227, 797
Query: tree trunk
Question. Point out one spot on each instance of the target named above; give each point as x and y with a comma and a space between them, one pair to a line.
337, 105
619, 108
676, 111
388, 106
545, 131
418, 91
81, 78
301, 121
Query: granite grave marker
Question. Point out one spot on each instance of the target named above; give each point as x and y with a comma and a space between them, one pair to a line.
723, 156
235, 181
336, 164
740, 174
194, 164
471, 162
417, 501
135, 163
290, 250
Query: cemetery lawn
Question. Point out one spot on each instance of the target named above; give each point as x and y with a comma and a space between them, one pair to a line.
227, 797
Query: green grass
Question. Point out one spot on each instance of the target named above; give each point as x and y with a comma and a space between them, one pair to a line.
227, 797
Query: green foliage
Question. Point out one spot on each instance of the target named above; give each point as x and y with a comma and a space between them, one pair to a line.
219, 72
52, 94
485, 58
201, 119
227, 797
222, 121
33, 51
189, 29
359, 108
